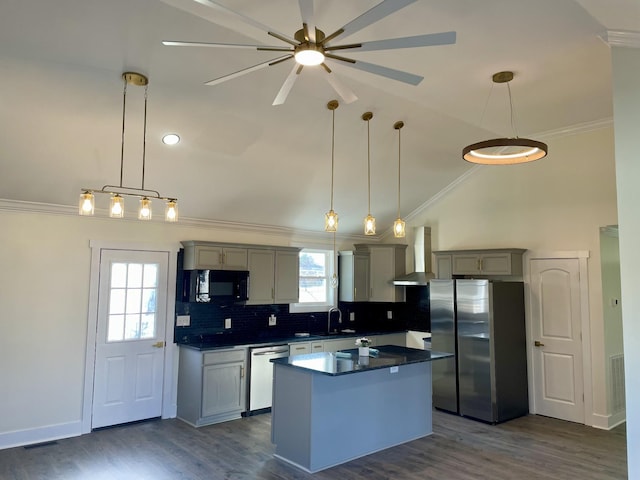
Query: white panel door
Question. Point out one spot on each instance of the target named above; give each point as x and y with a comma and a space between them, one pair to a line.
557, 350
130, 337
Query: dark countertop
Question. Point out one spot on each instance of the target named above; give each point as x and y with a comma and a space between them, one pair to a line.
224, 340
348, 361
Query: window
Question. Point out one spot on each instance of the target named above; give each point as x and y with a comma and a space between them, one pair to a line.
316, 269
132, 301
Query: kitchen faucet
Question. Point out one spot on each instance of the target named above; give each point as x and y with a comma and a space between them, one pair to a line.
331, 310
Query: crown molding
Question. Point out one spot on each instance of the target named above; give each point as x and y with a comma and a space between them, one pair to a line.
294, 235
621, 38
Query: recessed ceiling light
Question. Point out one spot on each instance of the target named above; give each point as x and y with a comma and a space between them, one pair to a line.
170, 139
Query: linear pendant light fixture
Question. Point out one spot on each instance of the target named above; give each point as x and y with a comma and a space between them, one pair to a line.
399, 224
331, 217
117, 192
505, 151
369, 220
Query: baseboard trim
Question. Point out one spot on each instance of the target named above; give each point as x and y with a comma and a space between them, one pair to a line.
607, 422
41, 434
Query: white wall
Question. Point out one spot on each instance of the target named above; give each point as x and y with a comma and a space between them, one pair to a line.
626, 102
44, 274
557, 203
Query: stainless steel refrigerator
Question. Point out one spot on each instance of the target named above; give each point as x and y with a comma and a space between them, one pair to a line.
482, 323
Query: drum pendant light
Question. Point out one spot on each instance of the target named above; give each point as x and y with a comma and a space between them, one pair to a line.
369, 220
331, 217
398, 225
505, 151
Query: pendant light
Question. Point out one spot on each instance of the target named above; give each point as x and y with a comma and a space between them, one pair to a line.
369, 220
398, 225
117, 192
505, 151
331, 217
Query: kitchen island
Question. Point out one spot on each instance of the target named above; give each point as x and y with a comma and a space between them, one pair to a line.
330, 408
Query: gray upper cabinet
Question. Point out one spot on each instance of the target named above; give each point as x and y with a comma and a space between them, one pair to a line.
273, 275
354, 276
386, 262
479, 262
208, 256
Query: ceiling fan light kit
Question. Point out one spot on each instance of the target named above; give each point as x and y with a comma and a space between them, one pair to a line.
505, 151
116, 192
310, 47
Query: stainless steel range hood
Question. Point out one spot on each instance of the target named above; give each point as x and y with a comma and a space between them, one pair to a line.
422, 260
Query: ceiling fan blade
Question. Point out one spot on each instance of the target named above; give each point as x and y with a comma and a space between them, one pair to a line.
383, 9
306, 12
171, 43
240, 16
391, 73
244, 71
341, 89
286, 86
428, 40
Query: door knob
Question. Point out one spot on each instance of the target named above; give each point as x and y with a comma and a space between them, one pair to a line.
158, 345
538, 344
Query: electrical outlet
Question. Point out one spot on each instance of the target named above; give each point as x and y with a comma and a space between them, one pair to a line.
389, 314
352, 316
272, 320
183, 321
227, 323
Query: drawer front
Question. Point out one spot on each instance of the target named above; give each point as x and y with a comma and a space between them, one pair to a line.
226, 356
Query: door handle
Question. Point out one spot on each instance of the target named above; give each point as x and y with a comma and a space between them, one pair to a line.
538, 344
158, 344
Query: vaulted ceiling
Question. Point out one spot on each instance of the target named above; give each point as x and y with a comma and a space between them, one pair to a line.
242, 159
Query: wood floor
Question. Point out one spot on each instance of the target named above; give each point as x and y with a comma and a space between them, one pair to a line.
531, 447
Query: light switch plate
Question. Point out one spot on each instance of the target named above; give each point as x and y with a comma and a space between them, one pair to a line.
272, 320
227, 323
389, 314
183, 320
352, 316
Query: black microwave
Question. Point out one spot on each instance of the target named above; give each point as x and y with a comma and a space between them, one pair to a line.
216, 286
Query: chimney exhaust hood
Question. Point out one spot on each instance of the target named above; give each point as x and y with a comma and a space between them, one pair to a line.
422, 260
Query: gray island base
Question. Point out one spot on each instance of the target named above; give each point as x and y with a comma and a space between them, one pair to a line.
330, 408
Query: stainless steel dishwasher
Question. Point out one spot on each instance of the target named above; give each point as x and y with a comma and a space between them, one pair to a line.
261, 375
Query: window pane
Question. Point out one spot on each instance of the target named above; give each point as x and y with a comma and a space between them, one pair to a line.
133, 300
116, 302
118, 275
150, 275
148, 326
134, 278
312, 264
115, 331
149, 300
313, 290
132, 327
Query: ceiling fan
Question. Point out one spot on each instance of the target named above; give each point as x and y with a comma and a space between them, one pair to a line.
310, 46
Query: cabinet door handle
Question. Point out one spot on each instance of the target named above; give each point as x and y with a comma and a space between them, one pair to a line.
220, 258
241, 371
479, 264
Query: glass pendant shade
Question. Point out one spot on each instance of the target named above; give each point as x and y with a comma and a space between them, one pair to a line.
171, 212
87, 203
331, 221
145, 209
399, 228
116, 208
369, 225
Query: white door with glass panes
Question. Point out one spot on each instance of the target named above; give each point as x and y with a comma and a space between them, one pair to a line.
130, 337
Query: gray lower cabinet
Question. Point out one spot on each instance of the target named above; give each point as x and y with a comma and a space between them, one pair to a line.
211, 385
